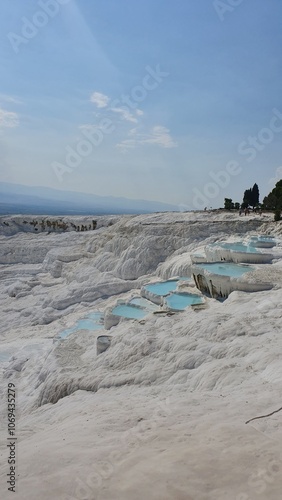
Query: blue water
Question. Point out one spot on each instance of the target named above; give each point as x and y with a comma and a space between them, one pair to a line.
163, 288
96, 316
5, 355
141, 302
239, 247
185, 278
263, 238
233, 270
127, 311
180, 301
94, 321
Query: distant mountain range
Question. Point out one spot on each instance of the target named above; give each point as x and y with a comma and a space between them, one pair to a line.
17, 198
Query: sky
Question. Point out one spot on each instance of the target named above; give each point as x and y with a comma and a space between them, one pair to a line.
176, 101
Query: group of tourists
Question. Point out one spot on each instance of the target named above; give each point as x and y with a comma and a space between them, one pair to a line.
247, 211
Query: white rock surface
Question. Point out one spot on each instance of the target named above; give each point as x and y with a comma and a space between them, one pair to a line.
160, 414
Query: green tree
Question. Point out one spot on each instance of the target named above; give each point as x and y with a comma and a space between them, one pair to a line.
251, 197
228, 204
255, 196
247, 199
273, 201
277, 215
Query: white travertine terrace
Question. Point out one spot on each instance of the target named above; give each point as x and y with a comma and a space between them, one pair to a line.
166, 403
220, 286
153, 297
262, 241
218, 253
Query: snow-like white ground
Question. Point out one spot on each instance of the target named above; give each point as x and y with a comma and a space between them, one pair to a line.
162, 413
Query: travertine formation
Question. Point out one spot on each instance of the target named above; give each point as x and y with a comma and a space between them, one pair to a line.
161, 413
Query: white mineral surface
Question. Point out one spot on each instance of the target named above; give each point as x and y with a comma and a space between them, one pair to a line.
161, 414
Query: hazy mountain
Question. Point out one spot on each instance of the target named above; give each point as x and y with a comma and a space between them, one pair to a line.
17, 198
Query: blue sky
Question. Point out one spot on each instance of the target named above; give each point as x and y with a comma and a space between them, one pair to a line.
169, 93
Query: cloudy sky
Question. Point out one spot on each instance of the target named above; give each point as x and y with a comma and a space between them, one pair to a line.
168, 100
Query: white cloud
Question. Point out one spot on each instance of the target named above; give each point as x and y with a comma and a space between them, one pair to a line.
90, 127
9, 98
158, 136
126, 145
101, 100
125, 114
8, 119
133, 131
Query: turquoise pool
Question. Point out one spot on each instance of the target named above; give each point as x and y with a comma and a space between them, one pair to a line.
228, 269
263, 238
5, 355
269, 240
179, 301
238, 247
96, 316
162, 288
94, 321
130, 312
141, 302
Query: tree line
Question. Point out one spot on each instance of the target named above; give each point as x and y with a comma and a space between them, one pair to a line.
271, 202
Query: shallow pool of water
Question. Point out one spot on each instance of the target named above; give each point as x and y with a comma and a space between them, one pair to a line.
5, 355
96, 316
239, 247
263, 238
228, 269
260, 240
130, 312
94, 321
179, 301
162, 288
146, 304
